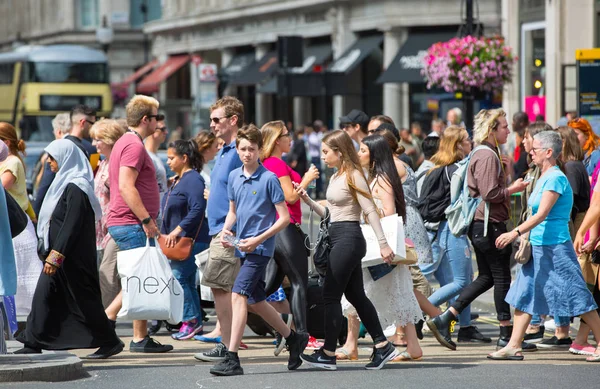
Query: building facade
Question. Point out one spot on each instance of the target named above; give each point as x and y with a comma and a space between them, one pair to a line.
347, 44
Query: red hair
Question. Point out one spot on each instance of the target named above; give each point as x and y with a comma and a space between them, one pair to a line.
593, 141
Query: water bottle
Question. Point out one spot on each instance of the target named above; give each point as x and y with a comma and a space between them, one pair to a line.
232, 240
313, 183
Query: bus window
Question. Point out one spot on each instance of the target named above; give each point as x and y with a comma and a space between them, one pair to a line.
36, 128
58, 72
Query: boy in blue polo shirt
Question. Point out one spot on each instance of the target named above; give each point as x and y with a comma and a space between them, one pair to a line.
255, 200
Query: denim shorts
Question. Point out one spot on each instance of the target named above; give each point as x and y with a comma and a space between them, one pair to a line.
129, 237
250, 280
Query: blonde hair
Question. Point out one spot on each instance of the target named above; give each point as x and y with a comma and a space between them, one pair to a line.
232, 106
271, 132
138, 107
486, 121
449, 150
107, 130
339, 141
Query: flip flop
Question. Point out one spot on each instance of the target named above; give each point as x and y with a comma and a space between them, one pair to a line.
341, 354
405, 356
243, 346
509, 355
206, 339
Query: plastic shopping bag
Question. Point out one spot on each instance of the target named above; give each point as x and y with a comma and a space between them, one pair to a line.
150, 292
205, 292
393, 228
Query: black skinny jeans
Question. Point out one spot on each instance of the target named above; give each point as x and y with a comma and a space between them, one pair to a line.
290, 260
344, 276
494, 269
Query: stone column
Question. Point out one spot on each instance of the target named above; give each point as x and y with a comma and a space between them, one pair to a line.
553, 60
342, 38
226, 56
264, 108
511, 32
302, 111
396, 100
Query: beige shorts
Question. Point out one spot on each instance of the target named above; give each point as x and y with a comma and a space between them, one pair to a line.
222, 266
420, 283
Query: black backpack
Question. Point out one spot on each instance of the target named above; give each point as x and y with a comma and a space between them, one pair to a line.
435, 194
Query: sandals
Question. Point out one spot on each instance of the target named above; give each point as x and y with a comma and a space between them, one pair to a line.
341, 354
405, 356
507, 355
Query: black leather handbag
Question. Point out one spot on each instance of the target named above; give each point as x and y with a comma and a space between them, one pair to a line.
16, 217
322, 246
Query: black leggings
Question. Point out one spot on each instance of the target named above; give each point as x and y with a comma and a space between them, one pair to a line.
290, 260
344, 277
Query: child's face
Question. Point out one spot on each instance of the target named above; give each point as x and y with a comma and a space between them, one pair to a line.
248, 152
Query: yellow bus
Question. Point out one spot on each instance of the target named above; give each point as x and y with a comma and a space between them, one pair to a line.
38, 82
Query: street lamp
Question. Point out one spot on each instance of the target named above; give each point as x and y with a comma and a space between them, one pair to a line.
144, 11
104, 34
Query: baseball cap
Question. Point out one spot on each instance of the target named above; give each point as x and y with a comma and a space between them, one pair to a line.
355, 116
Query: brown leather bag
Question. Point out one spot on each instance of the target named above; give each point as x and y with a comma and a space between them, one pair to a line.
183, 245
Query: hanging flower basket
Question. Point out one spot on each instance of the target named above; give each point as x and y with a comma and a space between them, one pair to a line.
469, 64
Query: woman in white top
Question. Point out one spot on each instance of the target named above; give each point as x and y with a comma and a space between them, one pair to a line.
348, 196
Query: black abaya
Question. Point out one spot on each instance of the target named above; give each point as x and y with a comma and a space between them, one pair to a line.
67, 311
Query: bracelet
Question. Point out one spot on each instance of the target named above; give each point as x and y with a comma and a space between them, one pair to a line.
55, 259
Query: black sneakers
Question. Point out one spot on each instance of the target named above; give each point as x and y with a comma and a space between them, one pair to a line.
296, 344
381, 356
319, 359
149, 345
153, 330
442, 327
230, 366
472, 334
554, 342
535, 337
217, 354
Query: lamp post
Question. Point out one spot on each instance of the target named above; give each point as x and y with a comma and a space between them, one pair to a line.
104, 34
144, 11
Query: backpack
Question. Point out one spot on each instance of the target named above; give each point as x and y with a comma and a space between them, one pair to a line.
434, 195
461, 211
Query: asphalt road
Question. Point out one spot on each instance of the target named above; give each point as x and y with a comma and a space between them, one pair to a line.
440, 368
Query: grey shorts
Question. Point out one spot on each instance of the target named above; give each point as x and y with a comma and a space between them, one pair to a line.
222, 266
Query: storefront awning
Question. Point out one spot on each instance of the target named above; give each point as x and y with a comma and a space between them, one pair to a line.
258, 72
357, 53
303, 80
151, 83
238, 64
407, 65
142, 71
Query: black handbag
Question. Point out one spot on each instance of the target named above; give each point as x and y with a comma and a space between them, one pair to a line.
322, 246
16, 217
595, 257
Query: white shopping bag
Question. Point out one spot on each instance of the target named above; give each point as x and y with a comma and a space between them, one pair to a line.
205, 292
393, 228
150, 292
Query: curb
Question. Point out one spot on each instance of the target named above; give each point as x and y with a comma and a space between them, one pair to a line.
51, 366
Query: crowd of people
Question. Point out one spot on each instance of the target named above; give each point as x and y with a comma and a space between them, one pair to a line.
103, 190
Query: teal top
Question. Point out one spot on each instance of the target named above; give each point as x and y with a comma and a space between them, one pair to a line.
555, 228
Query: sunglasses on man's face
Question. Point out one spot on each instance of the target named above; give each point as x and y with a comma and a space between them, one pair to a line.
217, 120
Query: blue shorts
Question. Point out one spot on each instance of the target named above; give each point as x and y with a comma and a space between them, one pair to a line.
250, 281
129, 237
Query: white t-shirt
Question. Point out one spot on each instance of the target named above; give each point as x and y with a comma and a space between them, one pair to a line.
161, 174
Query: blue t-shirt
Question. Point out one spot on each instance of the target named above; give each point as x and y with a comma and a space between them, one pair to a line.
216, 210
255, 198
555, 228
591, 161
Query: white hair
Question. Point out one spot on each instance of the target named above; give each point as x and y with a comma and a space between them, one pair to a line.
62, 123
550, 140
458, 113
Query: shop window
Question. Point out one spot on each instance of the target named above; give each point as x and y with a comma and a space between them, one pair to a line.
7, 71
533, 68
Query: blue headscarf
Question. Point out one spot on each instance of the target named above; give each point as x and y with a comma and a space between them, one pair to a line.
8, 270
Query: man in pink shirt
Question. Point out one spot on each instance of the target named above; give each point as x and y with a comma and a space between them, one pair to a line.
134, 201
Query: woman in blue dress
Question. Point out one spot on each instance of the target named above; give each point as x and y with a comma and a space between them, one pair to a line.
551, 282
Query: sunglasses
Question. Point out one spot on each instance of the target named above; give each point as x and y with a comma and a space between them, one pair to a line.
217, 120
154, 116
284, 135
90, 122
162, 129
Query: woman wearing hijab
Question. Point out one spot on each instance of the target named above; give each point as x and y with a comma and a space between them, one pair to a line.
8, 271
67, 310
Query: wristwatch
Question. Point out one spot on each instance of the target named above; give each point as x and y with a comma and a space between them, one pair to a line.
147, 220
517, 231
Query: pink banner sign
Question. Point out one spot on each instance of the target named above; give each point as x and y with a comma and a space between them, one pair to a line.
535, 105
